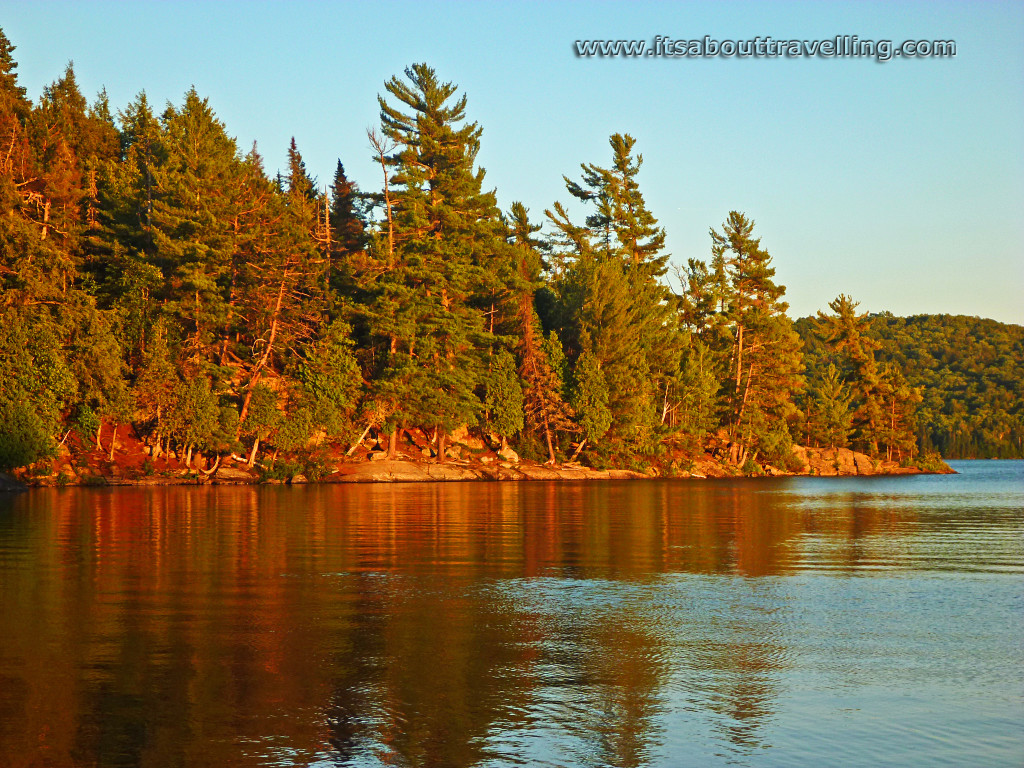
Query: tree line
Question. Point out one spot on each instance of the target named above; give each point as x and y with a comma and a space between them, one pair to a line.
155, 275
968, 370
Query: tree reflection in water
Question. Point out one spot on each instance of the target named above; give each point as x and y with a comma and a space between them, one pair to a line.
457, 625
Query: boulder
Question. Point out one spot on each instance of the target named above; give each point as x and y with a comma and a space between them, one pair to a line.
383, 471
508, 455
234, 475
845, 462
864, 464
460, 436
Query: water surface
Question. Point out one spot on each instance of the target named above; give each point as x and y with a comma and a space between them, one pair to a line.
789, 622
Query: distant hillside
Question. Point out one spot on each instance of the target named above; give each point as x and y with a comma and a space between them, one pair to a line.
970, 371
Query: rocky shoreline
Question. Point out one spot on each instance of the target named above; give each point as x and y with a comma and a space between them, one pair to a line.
135, 467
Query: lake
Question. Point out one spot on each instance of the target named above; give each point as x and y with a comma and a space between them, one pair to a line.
770, 622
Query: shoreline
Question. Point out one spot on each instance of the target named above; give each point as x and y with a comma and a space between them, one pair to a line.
374, 467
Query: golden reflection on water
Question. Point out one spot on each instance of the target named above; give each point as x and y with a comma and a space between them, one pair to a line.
409, 624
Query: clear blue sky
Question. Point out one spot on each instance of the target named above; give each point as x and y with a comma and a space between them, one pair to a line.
900, 183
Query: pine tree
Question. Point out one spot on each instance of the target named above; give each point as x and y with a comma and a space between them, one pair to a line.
846, 334
348, 237
194, 214
696, 413
830, 406
612, 290
17, 164
590, 397
445, 233
121, 255
544, 404
277, 284
503, 398
765, 366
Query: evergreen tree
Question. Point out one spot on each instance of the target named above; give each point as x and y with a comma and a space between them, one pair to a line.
277, 284
590, 397
830, 414
845, 334
194, 217
765, 364
348, 237
330, 378
696, 413
621, 311
503, 399
541, 361
445, 232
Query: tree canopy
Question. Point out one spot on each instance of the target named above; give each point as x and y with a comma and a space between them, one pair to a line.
153, 274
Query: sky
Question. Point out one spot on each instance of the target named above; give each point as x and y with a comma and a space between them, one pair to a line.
899, 183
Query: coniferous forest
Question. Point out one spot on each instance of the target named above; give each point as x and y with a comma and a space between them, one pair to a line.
156, 280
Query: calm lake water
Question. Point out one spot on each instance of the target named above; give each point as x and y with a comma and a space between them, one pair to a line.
789, 622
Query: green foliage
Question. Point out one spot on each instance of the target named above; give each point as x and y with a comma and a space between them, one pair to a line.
194, 416
590, 397
777, 446
446, 232
698, 386
295, 430
263, 416
930, 461
970, 372
753, 334
940, 383
830, 414
503, 400
33, 366
24, 439
612, 301
331, 378
153, 274
751, 468
281, 470
85, 422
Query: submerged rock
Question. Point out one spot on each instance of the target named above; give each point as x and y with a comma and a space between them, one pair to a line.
9, 484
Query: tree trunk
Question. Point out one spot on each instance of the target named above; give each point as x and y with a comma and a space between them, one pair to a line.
440, 445
99, 431
393, 444
252, 453
743, 402
113, 442
579, 448
358, 442
255, 378
547, 437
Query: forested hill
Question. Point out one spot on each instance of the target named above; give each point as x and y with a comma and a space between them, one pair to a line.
970, 371
158, 284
